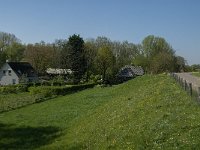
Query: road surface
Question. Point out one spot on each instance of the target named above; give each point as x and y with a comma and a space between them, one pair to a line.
190, 79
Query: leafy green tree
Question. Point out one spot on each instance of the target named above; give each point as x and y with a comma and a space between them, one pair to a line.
105, 61
153, 45
162, 62
15, 52
180, 64
156, 55
76, 57
60, 59
195, 67
124, 53
7, 39
90, 55
2, 58
10, 48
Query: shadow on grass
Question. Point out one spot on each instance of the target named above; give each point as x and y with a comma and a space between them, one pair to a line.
26, 137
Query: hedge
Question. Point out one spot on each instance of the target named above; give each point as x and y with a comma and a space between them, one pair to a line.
13, 88
50, 91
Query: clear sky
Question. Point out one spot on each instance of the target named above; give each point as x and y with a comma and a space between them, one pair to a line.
178, 21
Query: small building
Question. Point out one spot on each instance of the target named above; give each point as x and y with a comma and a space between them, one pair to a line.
129, 72
58, 72
17, 72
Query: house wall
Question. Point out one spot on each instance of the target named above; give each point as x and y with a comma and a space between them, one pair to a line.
8, 78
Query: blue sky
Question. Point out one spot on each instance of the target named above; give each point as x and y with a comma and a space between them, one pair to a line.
178, 21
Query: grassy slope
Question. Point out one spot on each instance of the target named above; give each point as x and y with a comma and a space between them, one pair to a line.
149, 112
12, 101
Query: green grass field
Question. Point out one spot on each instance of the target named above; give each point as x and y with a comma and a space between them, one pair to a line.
149, 112
197, 74
12, 101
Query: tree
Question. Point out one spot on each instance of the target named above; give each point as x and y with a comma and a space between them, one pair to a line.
90, 55
195, 67
180, 64
156, 55
162, 62
7, 39
40, 55
15, 52
76, 57
60, 59
105, 61
124, 53
10, 48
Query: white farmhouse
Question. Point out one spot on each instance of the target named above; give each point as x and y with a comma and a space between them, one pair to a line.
17, 72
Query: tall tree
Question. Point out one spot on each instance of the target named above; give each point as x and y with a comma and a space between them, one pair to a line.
40, 55
76, 57
15, 52
90, 55
156, 55
10, 48
105, 61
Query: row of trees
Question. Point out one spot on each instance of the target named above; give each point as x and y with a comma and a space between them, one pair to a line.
99, 56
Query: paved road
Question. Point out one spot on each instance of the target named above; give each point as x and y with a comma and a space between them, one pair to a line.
190, 79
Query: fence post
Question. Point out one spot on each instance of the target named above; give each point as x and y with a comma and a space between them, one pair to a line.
190, 88
198, 92
182, 83
185, 85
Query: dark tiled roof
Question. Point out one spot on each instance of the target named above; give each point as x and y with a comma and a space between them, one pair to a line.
130, 71
22, 68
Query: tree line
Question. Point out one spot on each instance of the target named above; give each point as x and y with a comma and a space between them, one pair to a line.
93, 57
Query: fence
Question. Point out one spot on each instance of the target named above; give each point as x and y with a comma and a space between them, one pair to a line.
193, 91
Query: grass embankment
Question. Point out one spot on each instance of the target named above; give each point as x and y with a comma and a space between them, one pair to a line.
197, 74
12, 101
149, 112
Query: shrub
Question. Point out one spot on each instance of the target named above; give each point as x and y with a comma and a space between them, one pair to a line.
14, 88
49, 91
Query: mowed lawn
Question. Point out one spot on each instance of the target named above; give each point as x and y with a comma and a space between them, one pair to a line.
149, 112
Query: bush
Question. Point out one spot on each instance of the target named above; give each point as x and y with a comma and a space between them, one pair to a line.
49, 91
14, 88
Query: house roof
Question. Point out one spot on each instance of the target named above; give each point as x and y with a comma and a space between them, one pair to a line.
130, 71
57, 71
22, 68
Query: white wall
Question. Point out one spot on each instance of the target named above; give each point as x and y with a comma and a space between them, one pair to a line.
7, 79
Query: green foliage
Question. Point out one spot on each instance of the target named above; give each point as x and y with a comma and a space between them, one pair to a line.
149, 112
58, 81
76, 58
197, 74
157, 56
13, 89
162, 62
10, 101
10, 48
105, 61
41, 56
195, 67
42, 92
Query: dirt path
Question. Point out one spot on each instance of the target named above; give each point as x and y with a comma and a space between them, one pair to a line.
190, 79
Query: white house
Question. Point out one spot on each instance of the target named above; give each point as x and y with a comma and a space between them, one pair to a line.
17, 72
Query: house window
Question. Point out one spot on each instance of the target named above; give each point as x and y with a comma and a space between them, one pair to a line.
4, 72
14, 81
9, 72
